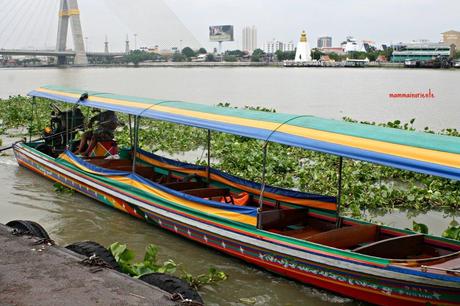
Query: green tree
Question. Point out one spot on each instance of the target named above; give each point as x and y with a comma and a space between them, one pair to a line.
188, 52
257, 55
316, 54
137, 56
357, 55
210, 57
457, 54
372, 56
388, 52
279, 55
178, 57
202, 51
230, 58
236, 53
284, 55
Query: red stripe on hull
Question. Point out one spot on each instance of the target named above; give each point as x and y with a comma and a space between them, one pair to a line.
355, 291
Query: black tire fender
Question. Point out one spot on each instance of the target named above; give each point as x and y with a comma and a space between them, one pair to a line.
172, 284
90, 248
29, 228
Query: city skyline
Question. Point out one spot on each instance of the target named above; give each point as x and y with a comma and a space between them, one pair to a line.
382, 22
170, 23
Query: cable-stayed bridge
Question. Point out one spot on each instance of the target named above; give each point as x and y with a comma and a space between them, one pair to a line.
23, 21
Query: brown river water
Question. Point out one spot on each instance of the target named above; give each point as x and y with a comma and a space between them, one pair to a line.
332, 93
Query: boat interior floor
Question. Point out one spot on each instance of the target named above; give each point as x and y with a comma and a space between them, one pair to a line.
192, 185
297, 223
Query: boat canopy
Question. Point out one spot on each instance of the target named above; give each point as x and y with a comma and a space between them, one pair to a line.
421, 152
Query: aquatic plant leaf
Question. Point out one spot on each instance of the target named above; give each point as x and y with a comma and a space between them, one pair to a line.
121, 252
151, 252
453, 231
420, 227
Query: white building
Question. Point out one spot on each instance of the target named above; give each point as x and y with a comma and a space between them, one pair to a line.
289, 46
249, 39
302, 53
351, 45
271, 47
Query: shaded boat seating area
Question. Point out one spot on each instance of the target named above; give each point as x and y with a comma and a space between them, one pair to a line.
296, 234
284, 212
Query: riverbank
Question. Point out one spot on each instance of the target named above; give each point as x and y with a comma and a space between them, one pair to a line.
37, 273
221, 64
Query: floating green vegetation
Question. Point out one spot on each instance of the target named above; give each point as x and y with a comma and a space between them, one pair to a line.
365, 185
419, 227
59, 188
125, 257
149, 264
453, 231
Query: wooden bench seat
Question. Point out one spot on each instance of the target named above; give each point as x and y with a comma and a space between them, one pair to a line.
126, 165
186, 185
281, 218
346, 237
109, 163
397, 247
208, 192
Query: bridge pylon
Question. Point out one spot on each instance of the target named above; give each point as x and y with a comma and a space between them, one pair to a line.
69, 12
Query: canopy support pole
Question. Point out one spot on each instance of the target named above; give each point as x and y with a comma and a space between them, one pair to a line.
136, 140
339, 192
32, 119
67, 129
264, 170
208, 168
130, 131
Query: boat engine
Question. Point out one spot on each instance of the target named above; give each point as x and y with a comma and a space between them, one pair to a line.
63, 128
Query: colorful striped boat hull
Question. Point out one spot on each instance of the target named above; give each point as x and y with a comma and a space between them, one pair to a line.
358, 276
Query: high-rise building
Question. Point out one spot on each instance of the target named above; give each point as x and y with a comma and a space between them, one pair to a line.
289, 46
325, 42
272, 46
249, 39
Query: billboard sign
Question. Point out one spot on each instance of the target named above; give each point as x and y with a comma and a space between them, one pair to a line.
221, 33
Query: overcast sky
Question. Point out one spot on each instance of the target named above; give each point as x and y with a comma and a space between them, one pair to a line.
185, 22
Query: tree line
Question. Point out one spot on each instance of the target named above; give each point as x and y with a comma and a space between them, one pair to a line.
187, 54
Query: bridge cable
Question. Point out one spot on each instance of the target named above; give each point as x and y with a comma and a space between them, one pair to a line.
54, 7
14, 11
8, 11
26, 27
38, 20
18, 21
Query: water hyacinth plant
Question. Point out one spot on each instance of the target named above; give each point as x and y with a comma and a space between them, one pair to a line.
365, 185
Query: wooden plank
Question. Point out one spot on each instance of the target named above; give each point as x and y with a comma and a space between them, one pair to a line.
346, 237
186, 185
396, 247
281, 218
208, 192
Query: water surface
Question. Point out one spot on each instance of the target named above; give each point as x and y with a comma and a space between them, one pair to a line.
330, 93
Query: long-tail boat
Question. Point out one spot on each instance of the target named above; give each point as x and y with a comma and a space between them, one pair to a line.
295, 234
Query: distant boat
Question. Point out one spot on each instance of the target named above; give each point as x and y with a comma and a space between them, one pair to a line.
356, 62
411, 63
